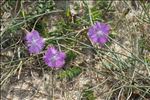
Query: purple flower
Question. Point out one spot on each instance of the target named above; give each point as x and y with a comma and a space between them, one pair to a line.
34, 42
98, 33
54, 58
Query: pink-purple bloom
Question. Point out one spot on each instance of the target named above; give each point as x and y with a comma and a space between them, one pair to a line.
54, 58
34, 41
98, 33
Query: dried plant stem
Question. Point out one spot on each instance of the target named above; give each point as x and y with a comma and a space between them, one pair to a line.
90, 14
52, 73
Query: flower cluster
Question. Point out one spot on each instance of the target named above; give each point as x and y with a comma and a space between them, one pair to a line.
99, 32
35, 43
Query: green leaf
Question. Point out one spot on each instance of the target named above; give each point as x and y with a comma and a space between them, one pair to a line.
71, 55
88, 95
70, 73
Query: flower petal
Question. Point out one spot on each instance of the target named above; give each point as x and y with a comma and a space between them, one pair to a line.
98, 32
54, 58
34, 42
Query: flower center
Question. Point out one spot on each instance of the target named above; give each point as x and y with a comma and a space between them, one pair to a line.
54, 58
34, 41
99, 33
